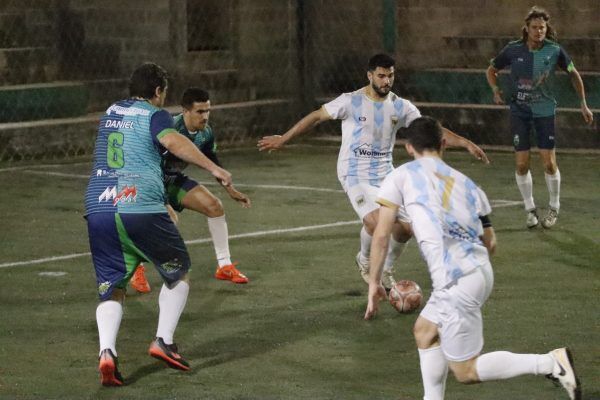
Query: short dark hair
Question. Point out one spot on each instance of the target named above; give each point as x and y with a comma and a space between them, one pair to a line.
425, 133
146, 78
380, 60
192, 95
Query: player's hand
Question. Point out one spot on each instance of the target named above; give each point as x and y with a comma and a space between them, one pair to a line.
270, 143
239, 197
376, 294
588, 116
477, 152
498, 97
223, 176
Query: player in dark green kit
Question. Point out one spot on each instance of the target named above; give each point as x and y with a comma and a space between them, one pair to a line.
126, 215
533, 61
185, 193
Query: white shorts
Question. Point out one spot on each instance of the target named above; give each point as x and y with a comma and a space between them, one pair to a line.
362, 196
456, 310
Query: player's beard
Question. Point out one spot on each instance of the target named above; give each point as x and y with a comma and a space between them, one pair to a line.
381, 91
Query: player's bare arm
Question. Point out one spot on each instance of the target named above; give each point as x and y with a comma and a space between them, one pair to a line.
379, 247
577, 83
238, 196
492, 78
454, 140
307, 123
185, 149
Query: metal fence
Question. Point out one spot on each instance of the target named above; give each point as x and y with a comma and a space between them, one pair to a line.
268, 61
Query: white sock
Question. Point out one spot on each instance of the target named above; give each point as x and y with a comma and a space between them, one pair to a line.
553, 184
108, 318
220, 238
365, 245
171, 303
434, 370
525, 184
394, 250
505, 365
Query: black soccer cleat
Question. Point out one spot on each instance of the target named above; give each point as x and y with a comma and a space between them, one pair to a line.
168, 353
109, 369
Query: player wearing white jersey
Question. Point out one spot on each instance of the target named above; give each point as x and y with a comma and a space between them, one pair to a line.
371, 117
450, 220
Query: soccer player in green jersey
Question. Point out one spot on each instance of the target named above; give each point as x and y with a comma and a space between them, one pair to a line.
126, 216
532, 61
185, 193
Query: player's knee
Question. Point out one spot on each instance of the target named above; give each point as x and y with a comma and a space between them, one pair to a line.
522, 168
425, 334
214, 208
466, 376
370, 222
550, 167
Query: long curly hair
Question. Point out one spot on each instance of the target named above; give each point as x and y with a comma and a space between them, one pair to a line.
535, 13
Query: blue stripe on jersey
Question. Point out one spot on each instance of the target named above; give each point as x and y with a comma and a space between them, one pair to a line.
357, 101
377, 144
418, 181
471, 197
399, 105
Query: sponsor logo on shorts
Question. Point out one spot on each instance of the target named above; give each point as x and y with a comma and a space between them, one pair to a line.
362, 119
171, 266
126, 195
365, 151
516, 140
103, 288
360, 200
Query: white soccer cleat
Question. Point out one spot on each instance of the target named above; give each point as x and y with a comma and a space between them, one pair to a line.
550, 218
387, 280
564, 372
532, 219
362, 268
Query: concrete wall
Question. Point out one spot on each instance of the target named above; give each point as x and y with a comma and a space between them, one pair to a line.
424, 27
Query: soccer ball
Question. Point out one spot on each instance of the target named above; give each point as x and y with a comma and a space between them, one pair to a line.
406, 296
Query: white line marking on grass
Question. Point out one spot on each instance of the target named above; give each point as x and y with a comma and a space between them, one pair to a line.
24, 167
195, 241
499, 204
288, 187
495, 203
278, 231
62, 174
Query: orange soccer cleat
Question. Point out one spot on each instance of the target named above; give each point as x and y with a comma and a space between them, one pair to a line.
230, 273
109, 370
169, 354
139, 281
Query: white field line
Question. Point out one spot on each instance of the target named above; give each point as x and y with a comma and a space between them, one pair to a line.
195, 241
288, 187
495, 204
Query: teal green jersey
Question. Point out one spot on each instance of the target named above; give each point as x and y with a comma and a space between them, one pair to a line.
126, 176
203, 139
532, 76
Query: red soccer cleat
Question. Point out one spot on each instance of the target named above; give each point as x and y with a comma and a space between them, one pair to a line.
109, 371
230, 273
